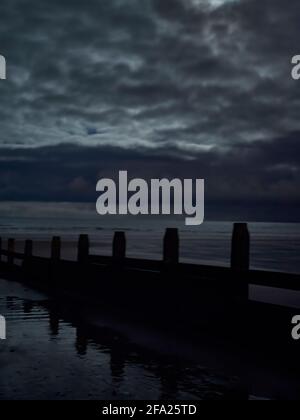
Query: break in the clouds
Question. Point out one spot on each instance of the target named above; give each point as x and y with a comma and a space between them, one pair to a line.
202, 80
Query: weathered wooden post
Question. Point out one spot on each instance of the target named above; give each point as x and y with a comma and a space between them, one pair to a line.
171, 246
240, 263
83, 249
55, 249
119, 247
54, 260
11, 250
28, 249
240, 248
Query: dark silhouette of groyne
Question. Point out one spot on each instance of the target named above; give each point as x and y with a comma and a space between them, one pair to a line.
194, 301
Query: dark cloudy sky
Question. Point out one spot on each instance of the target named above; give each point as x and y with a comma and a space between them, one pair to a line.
185, 88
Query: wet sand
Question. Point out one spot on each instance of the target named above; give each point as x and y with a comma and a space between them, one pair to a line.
50, 355
54, 352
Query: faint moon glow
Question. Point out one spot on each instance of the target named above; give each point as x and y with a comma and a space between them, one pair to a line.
211, 3
217, 3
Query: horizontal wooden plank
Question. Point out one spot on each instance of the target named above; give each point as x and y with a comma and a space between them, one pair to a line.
253, 277
274, 279
16, 255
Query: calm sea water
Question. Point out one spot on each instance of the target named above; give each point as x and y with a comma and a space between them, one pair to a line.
274, 246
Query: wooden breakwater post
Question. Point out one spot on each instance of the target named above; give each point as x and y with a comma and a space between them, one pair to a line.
240, 247
83, 251
119, 248
26, 264
171, 247
55, 258
55, 249
240, 257
28, 249
240, 264
11, 251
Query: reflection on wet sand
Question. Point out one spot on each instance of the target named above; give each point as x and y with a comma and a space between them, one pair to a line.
53, 355
53, 322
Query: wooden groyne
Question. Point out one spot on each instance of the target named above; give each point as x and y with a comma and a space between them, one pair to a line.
12, 261
186, 297
205, 307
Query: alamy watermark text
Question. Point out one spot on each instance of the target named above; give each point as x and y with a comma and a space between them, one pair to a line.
296, 328
159, 196
2, 328
2, 67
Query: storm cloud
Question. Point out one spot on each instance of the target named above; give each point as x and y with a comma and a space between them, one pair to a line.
192, 88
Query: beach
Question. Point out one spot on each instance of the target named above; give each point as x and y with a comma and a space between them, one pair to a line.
57, 352
51, 354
